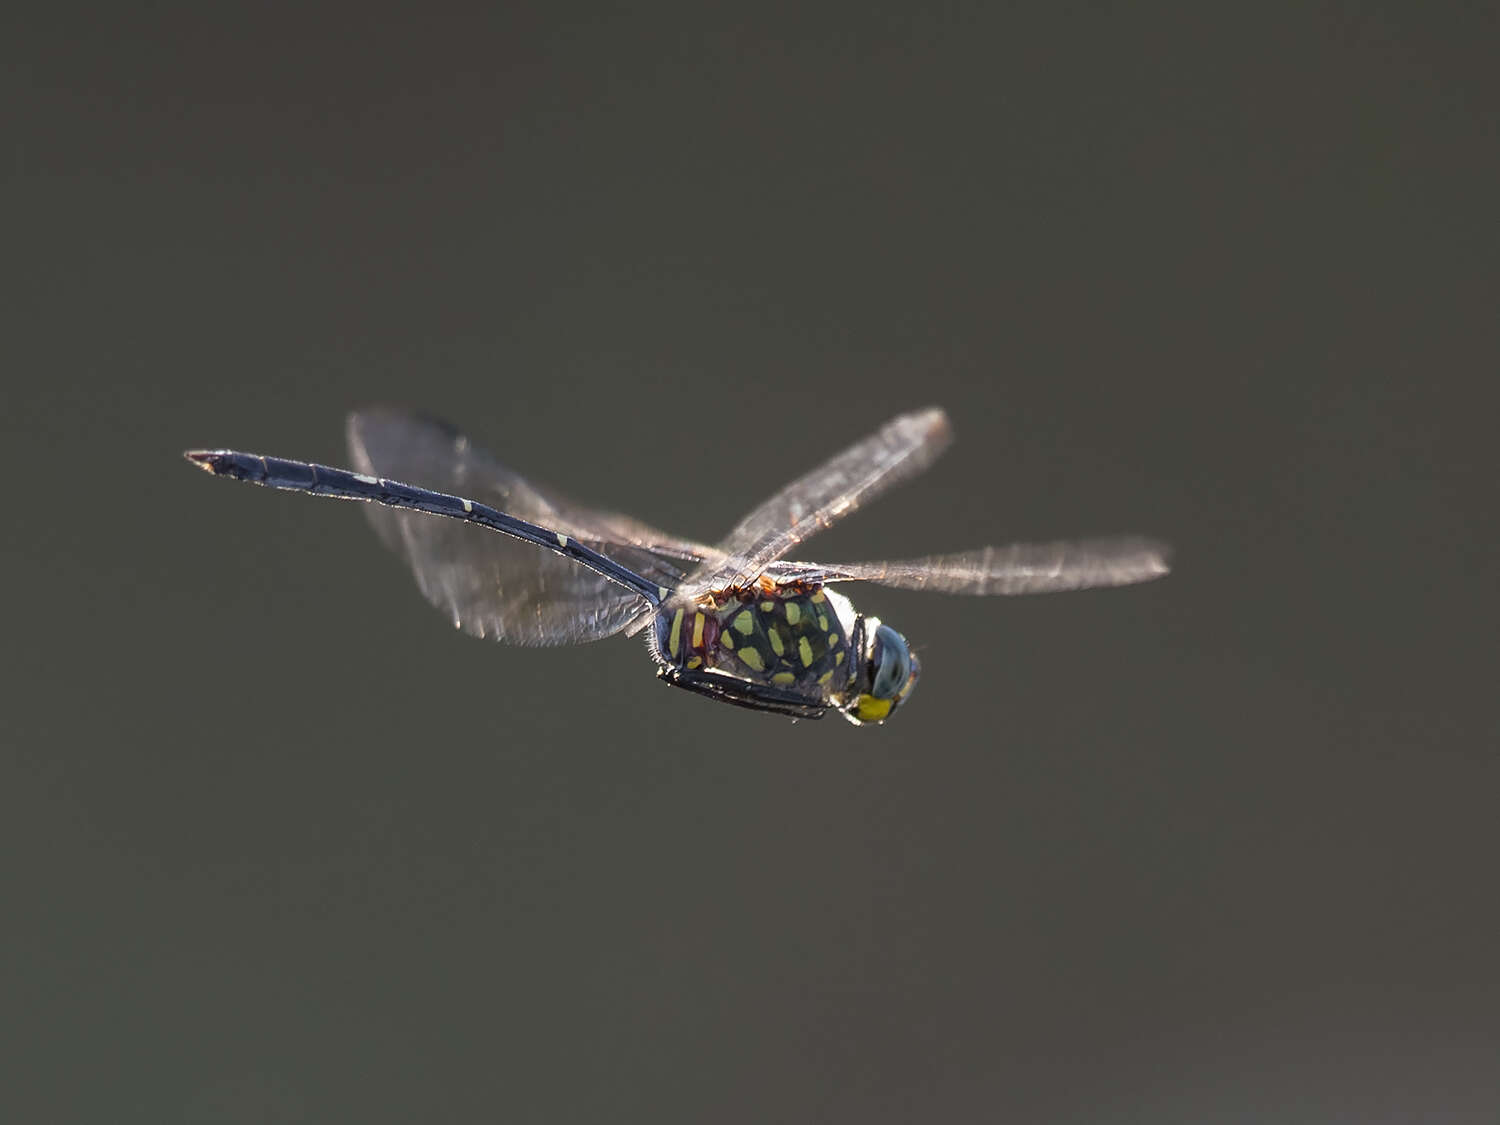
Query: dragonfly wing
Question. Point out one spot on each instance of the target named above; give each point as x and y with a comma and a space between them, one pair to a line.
898, 451
491, 585
1020, 568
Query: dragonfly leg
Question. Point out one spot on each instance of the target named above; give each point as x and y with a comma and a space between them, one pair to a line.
742, 693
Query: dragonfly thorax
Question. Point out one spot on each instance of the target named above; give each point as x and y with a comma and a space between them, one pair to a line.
804, 640
795, 638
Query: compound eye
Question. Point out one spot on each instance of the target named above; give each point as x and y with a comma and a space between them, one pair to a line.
890, 663
892, 672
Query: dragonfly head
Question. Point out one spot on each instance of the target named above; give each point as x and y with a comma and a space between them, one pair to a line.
886, 674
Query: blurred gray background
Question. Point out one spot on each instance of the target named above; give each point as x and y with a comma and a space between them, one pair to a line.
280, 846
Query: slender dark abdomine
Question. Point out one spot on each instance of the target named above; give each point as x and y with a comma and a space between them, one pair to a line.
341, 484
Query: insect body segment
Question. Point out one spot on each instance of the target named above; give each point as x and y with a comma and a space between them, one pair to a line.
688, 636
787, 638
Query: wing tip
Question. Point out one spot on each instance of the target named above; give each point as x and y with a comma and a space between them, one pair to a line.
929, 429
933, 418
1156, 559
368, 429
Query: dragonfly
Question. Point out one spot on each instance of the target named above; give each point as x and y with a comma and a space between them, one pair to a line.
738, 622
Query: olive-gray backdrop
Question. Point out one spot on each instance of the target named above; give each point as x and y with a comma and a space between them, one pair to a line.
281, 846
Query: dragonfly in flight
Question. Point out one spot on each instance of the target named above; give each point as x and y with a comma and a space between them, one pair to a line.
737, 622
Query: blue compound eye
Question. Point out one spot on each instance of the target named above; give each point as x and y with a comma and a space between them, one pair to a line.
892, 672
890, 664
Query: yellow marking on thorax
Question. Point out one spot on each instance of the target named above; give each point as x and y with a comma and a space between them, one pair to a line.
744, 624
823, 622
793, 613
767, 607
817, 599
674, 641
804, 650
752, 660
783, 678
775, 638
726, 638
698, 620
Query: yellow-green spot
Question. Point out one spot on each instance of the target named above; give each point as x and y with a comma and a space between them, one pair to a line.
744, 623
697, 630
783, 678
727, 640
804, 650
752, 660
775, 638
767, 607
868, 709
825, 677
823, 622
674, 642
793, 613
838, 658
817, 599
694, 662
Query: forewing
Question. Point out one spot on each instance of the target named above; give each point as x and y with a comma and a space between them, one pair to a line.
487, 583
1020, 568
899, 450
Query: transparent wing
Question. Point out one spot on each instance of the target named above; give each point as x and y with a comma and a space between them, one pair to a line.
489, 584
1021, 568
899, 450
